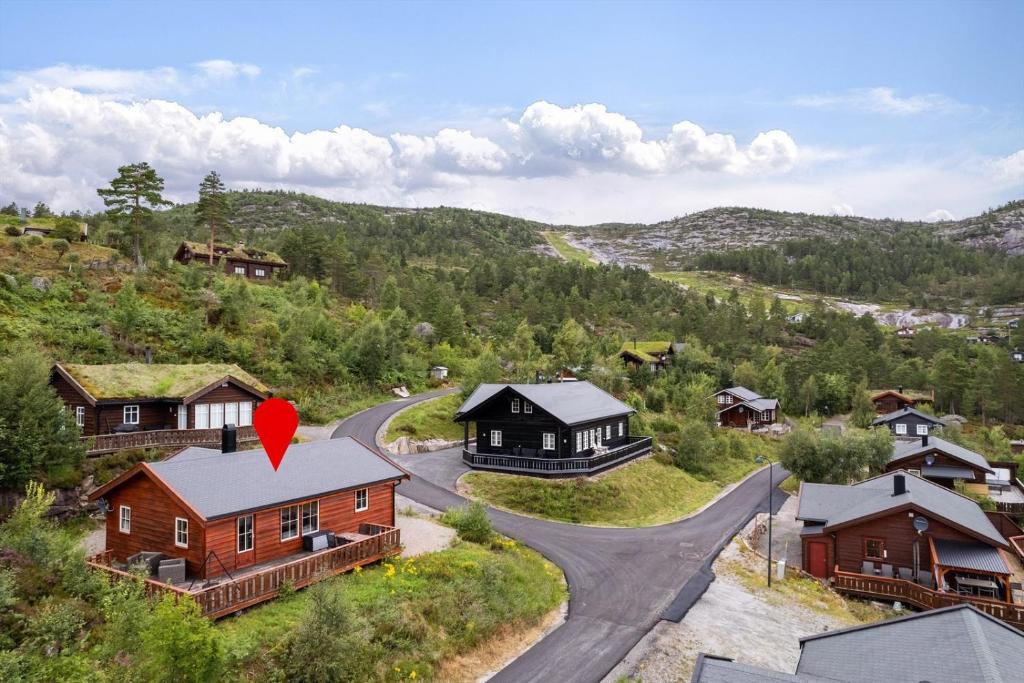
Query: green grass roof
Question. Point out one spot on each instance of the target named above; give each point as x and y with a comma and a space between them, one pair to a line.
647, 350
202, 250
139, 380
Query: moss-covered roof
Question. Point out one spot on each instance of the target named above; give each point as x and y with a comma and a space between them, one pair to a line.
908, 394
139, 380
235, 251
647, 350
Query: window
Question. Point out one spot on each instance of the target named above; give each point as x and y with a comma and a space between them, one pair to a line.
549, 441
721, 399
289, 522
181, 532
202, 416
586, 439
80, 416
239, 270
245, 533
362, 499
245, 414
915, 472
125, 523
728, 399
874, 548
901, 428
216, 415
922, 430
260, 272
182, 417
231, 414
597, 436
515, 405
527, 407
495, 437
311, 517
622, 427
131, 415
579, 441
607, 432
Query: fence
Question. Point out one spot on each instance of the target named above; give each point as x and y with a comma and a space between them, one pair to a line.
108, 443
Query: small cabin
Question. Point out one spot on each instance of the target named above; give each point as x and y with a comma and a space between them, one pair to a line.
905, 332
942, 462
438, 372
908, 423
236, 259
891, 400
740, 407
654, 355
37, 230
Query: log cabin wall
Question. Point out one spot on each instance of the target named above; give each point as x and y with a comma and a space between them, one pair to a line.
152, 415
222, 394
73, 399
890, 404
941, 459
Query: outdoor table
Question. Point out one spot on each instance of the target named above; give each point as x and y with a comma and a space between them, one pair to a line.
983, 585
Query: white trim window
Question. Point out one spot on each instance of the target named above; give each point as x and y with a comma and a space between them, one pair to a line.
231, 414
183, 417
579, 441
496, 437
721, 399
622, 429
548, 441
728, 399
80, 416
901, 428
922, 430
245, 414
607, 432
289, 522
527, 407
515, 405
244, 529
130, 415
124, 523
597, 437
586, 439
202, 415
260, 272
239, 270
181, 532
362, 500
311, 517
216, 415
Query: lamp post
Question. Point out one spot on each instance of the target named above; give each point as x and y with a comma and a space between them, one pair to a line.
771, 485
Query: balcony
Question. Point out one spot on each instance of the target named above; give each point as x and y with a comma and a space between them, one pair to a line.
162, 438
634, 447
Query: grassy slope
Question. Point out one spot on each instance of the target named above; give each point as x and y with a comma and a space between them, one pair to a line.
567, 251
720, 284
428, 420
642, 493
417, 615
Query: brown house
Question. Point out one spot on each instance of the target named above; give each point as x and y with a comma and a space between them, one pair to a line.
891, 400
900, 526
226, 511
942, 462
237, 259
740, 407
128, 397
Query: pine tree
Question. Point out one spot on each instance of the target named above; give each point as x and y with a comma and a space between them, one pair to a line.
212, 207
133, 195
41, 211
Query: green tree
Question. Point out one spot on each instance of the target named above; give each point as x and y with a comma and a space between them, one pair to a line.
132, 196
746, 375
313, 651
486, 369
61, 247
10, 210
694, 398
66, 229
212, 207
179, 644
571, 346
389, 294
809, 394
863, 408
41, 211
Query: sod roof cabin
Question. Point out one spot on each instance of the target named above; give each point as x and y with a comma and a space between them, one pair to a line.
132, 397
891, 400
236, 259
654, 355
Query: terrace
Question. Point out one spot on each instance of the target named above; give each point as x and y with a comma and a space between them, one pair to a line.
526, 461
210, 438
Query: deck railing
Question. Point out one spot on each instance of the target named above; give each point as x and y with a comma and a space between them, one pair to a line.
108, 443
884, 588
230, 596
1012, 508
559, 467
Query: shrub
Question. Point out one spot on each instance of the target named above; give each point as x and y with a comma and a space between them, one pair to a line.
325, 646
470, 521
34, 240
12, 230
656, 400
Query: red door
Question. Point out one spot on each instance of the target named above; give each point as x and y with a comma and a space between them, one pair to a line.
816, 559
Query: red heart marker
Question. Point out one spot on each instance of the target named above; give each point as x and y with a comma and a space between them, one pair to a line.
275, 421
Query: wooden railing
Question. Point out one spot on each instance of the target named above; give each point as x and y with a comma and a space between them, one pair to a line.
1016, 509
559, 467
108, 443
251, 589
884, 588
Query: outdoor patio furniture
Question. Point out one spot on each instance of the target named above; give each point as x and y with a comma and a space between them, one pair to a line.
172, 570
926, 579
867, 568
887, 570
905, 573
982, 587
150, 559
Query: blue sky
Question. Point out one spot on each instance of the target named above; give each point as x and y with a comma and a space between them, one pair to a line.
879, 109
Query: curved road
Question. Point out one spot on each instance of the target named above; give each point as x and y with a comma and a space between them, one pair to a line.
621, 581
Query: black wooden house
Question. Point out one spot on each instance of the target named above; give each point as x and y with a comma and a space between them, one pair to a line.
563, 429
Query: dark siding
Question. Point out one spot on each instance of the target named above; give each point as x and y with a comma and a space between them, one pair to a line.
73, 398
911, 421
941, 459
229, 394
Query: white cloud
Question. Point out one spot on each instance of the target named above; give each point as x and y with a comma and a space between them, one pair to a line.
879, 100
1010, 169
841, 209
939, 215
225, 69
303, 71
87, 79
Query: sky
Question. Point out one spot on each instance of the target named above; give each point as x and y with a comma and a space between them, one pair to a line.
564, 112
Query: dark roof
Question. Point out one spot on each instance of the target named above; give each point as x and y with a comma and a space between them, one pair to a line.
953, 644
238, 252
966, 555
569, 402
835, 505
755, 404
955, 451
217, 484
944, 472
744, 393
711, 669
904, 412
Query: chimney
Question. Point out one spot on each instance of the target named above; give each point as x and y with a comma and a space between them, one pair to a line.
228, 439
634, 343
149, 356
899, 389
240, 245
924, 439
899, 485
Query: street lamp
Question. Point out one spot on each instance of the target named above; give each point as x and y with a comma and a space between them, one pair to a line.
761, 459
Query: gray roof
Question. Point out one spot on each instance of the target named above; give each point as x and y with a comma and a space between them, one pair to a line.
758, 404
954, 644
967, 555
742, 392
836, 505
217, 484
710, 669
945, 472
903, 412
912, 448
569, 402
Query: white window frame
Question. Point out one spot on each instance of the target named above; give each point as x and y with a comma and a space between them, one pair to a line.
182, 417
622, 429
248, 535
496, 438
80, 416
586, 439
548, 441
245, 414
922, 430
130, 410
515, 405
365, 495
901, 428
260, 272
240, 270
202, 416
597, 437
216, 415
181, 531
579, 441
231, 414
292, 522
124, 520
527, 407
728, 399
607, 432
721, 399
310, 511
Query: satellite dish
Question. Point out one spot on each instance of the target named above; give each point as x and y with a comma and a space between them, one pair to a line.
929, 460
921, 524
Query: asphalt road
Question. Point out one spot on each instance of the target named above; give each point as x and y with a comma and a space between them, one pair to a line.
621, 581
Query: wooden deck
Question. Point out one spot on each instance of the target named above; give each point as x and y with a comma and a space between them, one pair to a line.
558, 467
263, 583
883, 588
108, 443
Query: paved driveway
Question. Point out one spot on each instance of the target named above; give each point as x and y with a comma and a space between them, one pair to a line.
621, 581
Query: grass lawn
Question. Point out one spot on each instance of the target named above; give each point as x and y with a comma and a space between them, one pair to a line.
720, 284
642, 493
428, 420
568, 252
411, 615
